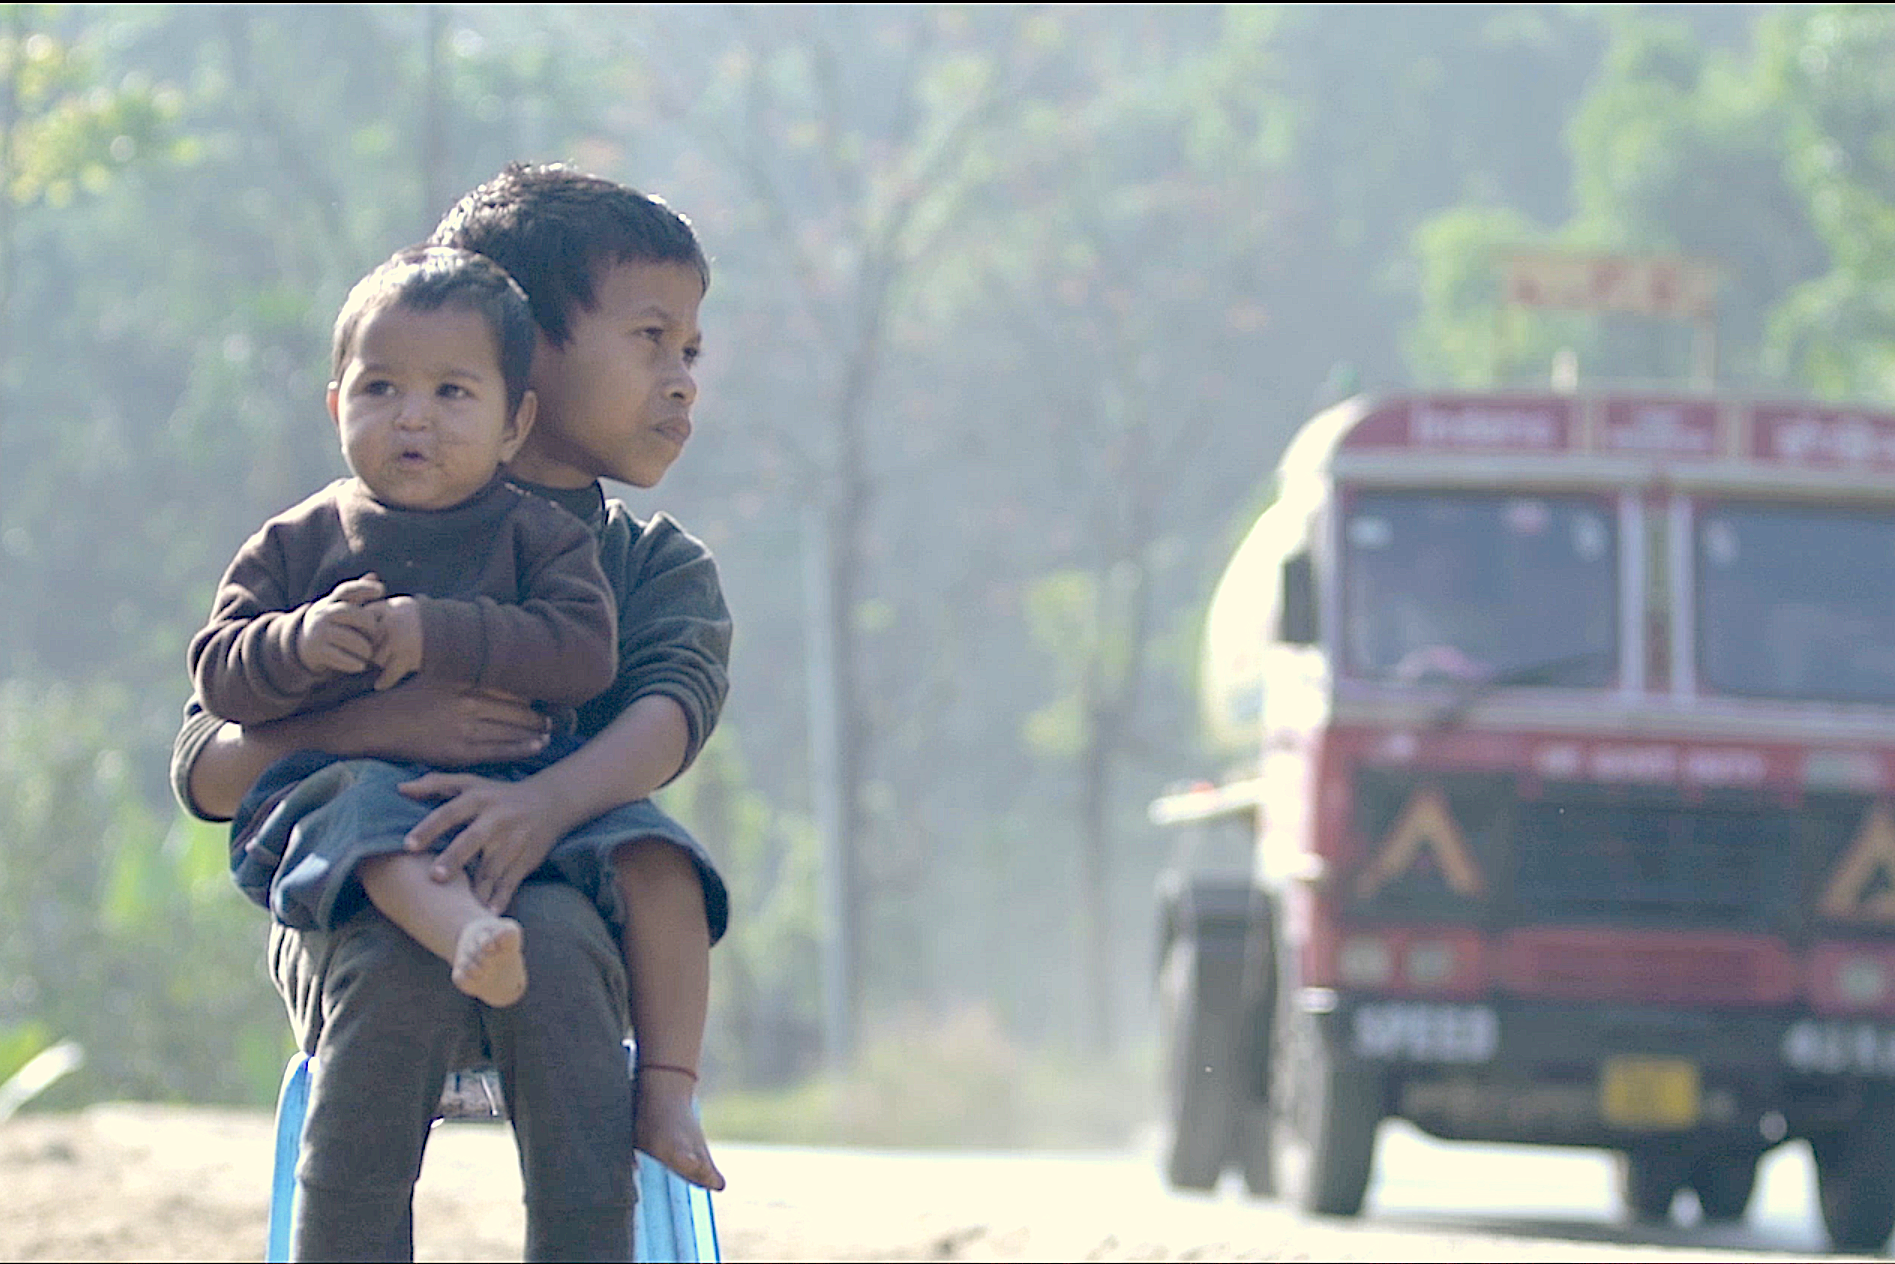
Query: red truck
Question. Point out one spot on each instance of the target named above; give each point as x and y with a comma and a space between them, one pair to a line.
1563, 802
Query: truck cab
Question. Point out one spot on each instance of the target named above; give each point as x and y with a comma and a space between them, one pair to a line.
1562, 727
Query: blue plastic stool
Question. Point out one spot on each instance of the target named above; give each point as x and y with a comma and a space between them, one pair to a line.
672, 1221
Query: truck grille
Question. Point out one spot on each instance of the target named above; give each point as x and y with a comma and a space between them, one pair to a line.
1581, 860
1627, 856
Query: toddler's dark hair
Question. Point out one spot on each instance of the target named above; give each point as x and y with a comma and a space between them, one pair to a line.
426, 278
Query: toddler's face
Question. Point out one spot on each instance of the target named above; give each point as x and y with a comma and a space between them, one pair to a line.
422, 407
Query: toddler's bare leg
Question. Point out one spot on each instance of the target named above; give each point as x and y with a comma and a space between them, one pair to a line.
668, 962
446, 919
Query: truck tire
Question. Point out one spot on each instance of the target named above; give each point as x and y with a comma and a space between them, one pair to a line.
1256, 1151
1723, 1182
1649, 1178
1855, 1178
1198, 1000
1326, 1110
1256, 1144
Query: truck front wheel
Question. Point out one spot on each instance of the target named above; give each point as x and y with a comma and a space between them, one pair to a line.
1256, 1142
1723, 1184
1649, 1178
1855, 1178
1198, 992
1326, 1109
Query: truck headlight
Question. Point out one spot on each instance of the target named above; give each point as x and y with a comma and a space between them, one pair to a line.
1366, 961
1862, 981
1430, 963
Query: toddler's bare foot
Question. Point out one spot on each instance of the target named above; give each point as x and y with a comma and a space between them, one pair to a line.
665, 1127
489, 964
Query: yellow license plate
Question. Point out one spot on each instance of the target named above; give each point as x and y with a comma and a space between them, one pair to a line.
1649, 1092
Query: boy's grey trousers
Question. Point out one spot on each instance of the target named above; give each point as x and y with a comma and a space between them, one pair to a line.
385, 1025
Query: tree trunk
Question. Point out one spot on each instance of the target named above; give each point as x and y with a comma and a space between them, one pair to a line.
1095, 882
1111, 701
849, 522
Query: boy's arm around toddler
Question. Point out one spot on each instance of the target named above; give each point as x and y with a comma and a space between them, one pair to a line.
674, 627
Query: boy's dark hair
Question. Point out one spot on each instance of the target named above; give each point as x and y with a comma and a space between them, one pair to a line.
555, 227
426, 278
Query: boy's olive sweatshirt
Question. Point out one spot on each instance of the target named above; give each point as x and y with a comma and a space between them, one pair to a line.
673, 629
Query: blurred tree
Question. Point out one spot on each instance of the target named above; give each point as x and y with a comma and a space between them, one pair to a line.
765, 1019
1824, 67
1394, 112
113, 931
1680, 146
851, 170
64, 140
1130, 286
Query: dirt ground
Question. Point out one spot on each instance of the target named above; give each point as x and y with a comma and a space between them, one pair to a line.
135, 1182
132, 1182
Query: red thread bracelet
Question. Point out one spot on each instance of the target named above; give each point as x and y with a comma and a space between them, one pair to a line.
687, 1072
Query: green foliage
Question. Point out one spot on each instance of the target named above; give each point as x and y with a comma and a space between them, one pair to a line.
193, 1017
954, 1079
72, 132
764, 997
118, 929
1461, 337
1827, 66
1683, 147
1064, 617
1085, 626
20, 1043
1769, 156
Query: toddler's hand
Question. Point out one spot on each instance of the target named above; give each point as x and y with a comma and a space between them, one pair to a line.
398, 653
339, 632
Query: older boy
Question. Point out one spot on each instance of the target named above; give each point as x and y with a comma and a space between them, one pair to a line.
615, 279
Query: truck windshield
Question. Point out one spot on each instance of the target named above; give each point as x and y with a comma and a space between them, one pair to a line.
1797, 602
1480, 587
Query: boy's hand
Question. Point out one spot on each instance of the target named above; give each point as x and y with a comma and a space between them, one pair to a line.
399, 652
440, 723
338, 635
506, 830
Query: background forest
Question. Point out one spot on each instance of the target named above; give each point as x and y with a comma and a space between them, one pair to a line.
1013, 309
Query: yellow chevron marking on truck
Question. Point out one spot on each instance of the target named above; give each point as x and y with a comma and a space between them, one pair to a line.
1425, 822
1852, 893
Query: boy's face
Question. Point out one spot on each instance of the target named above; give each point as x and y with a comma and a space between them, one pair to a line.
615, 401
422, 407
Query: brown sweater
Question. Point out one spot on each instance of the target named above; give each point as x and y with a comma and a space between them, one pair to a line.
510, 588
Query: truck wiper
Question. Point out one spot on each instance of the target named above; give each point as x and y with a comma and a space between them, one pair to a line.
1543, 672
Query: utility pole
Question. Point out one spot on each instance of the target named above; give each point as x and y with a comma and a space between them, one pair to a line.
15, 40
433, 128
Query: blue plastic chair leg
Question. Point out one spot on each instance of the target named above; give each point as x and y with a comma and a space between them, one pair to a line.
292, 1104
673, 1220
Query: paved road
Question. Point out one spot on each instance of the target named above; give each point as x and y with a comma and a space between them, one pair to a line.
1429, 1201
1570, 1194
